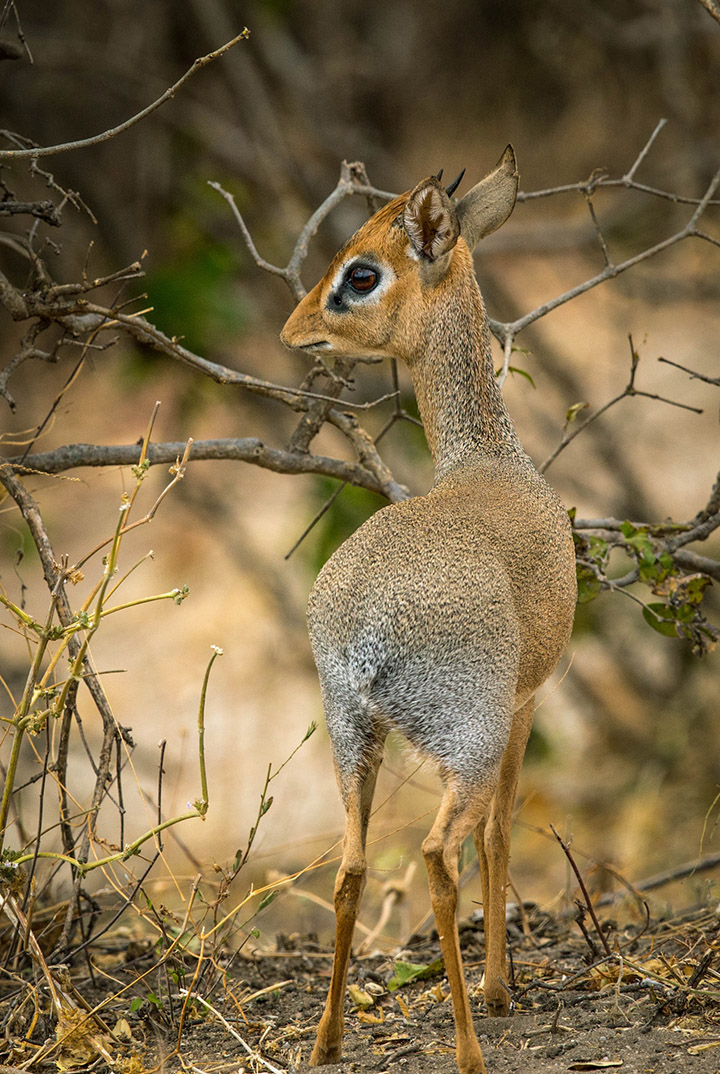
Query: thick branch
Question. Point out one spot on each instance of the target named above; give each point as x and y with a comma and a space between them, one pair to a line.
43, 210
247, 449
691, 561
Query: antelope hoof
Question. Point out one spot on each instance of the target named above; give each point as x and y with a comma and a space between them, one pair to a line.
498, 1006
323, 1054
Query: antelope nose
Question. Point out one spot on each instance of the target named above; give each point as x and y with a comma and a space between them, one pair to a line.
294, 331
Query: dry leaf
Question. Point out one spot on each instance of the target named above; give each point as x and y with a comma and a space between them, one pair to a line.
360, 997
371, 1019
121, 1030
403, 1006
697, 1049
596, 1064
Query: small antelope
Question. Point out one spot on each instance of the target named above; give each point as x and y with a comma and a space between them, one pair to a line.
441, 615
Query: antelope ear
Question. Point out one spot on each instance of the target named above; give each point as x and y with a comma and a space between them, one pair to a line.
490, 202
430, 220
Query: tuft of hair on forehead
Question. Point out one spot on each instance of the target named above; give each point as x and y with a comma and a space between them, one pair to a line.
430, 220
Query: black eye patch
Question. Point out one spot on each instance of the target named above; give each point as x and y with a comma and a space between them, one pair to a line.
359, 279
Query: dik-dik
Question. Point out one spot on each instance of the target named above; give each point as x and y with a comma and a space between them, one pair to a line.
441, 615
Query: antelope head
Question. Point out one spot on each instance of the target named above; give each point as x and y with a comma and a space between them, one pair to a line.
376, 296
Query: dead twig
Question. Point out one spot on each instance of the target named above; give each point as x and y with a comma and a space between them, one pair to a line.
572, 429
588, 901
693, 374
36, 151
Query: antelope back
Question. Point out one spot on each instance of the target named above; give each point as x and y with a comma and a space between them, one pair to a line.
381, 287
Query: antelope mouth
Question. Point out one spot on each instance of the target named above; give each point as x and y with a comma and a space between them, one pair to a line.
311, 348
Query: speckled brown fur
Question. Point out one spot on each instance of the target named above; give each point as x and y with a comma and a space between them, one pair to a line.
442, 615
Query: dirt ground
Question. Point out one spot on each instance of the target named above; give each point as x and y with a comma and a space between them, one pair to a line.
651, 1007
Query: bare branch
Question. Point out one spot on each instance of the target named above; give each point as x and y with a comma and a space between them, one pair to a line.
368, 454
353, 180
598, 229
713, 7
691, 561
371, 474
570, 431
507, 351
645, 150
599, 178
82, 143
609, 273
259, 261
704, 235
43, 210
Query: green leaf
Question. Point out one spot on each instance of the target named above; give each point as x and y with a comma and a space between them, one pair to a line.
598, 549
135, 1004
639, 541
266, 900
664, 611
405, 972
588, 585
522, 373
661, 618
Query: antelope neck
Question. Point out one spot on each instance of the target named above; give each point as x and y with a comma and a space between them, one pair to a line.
460, 403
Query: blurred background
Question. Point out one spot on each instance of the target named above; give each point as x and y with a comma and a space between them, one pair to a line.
624, 756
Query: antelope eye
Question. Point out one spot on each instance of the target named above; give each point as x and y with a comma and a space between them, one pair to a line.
362, 279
